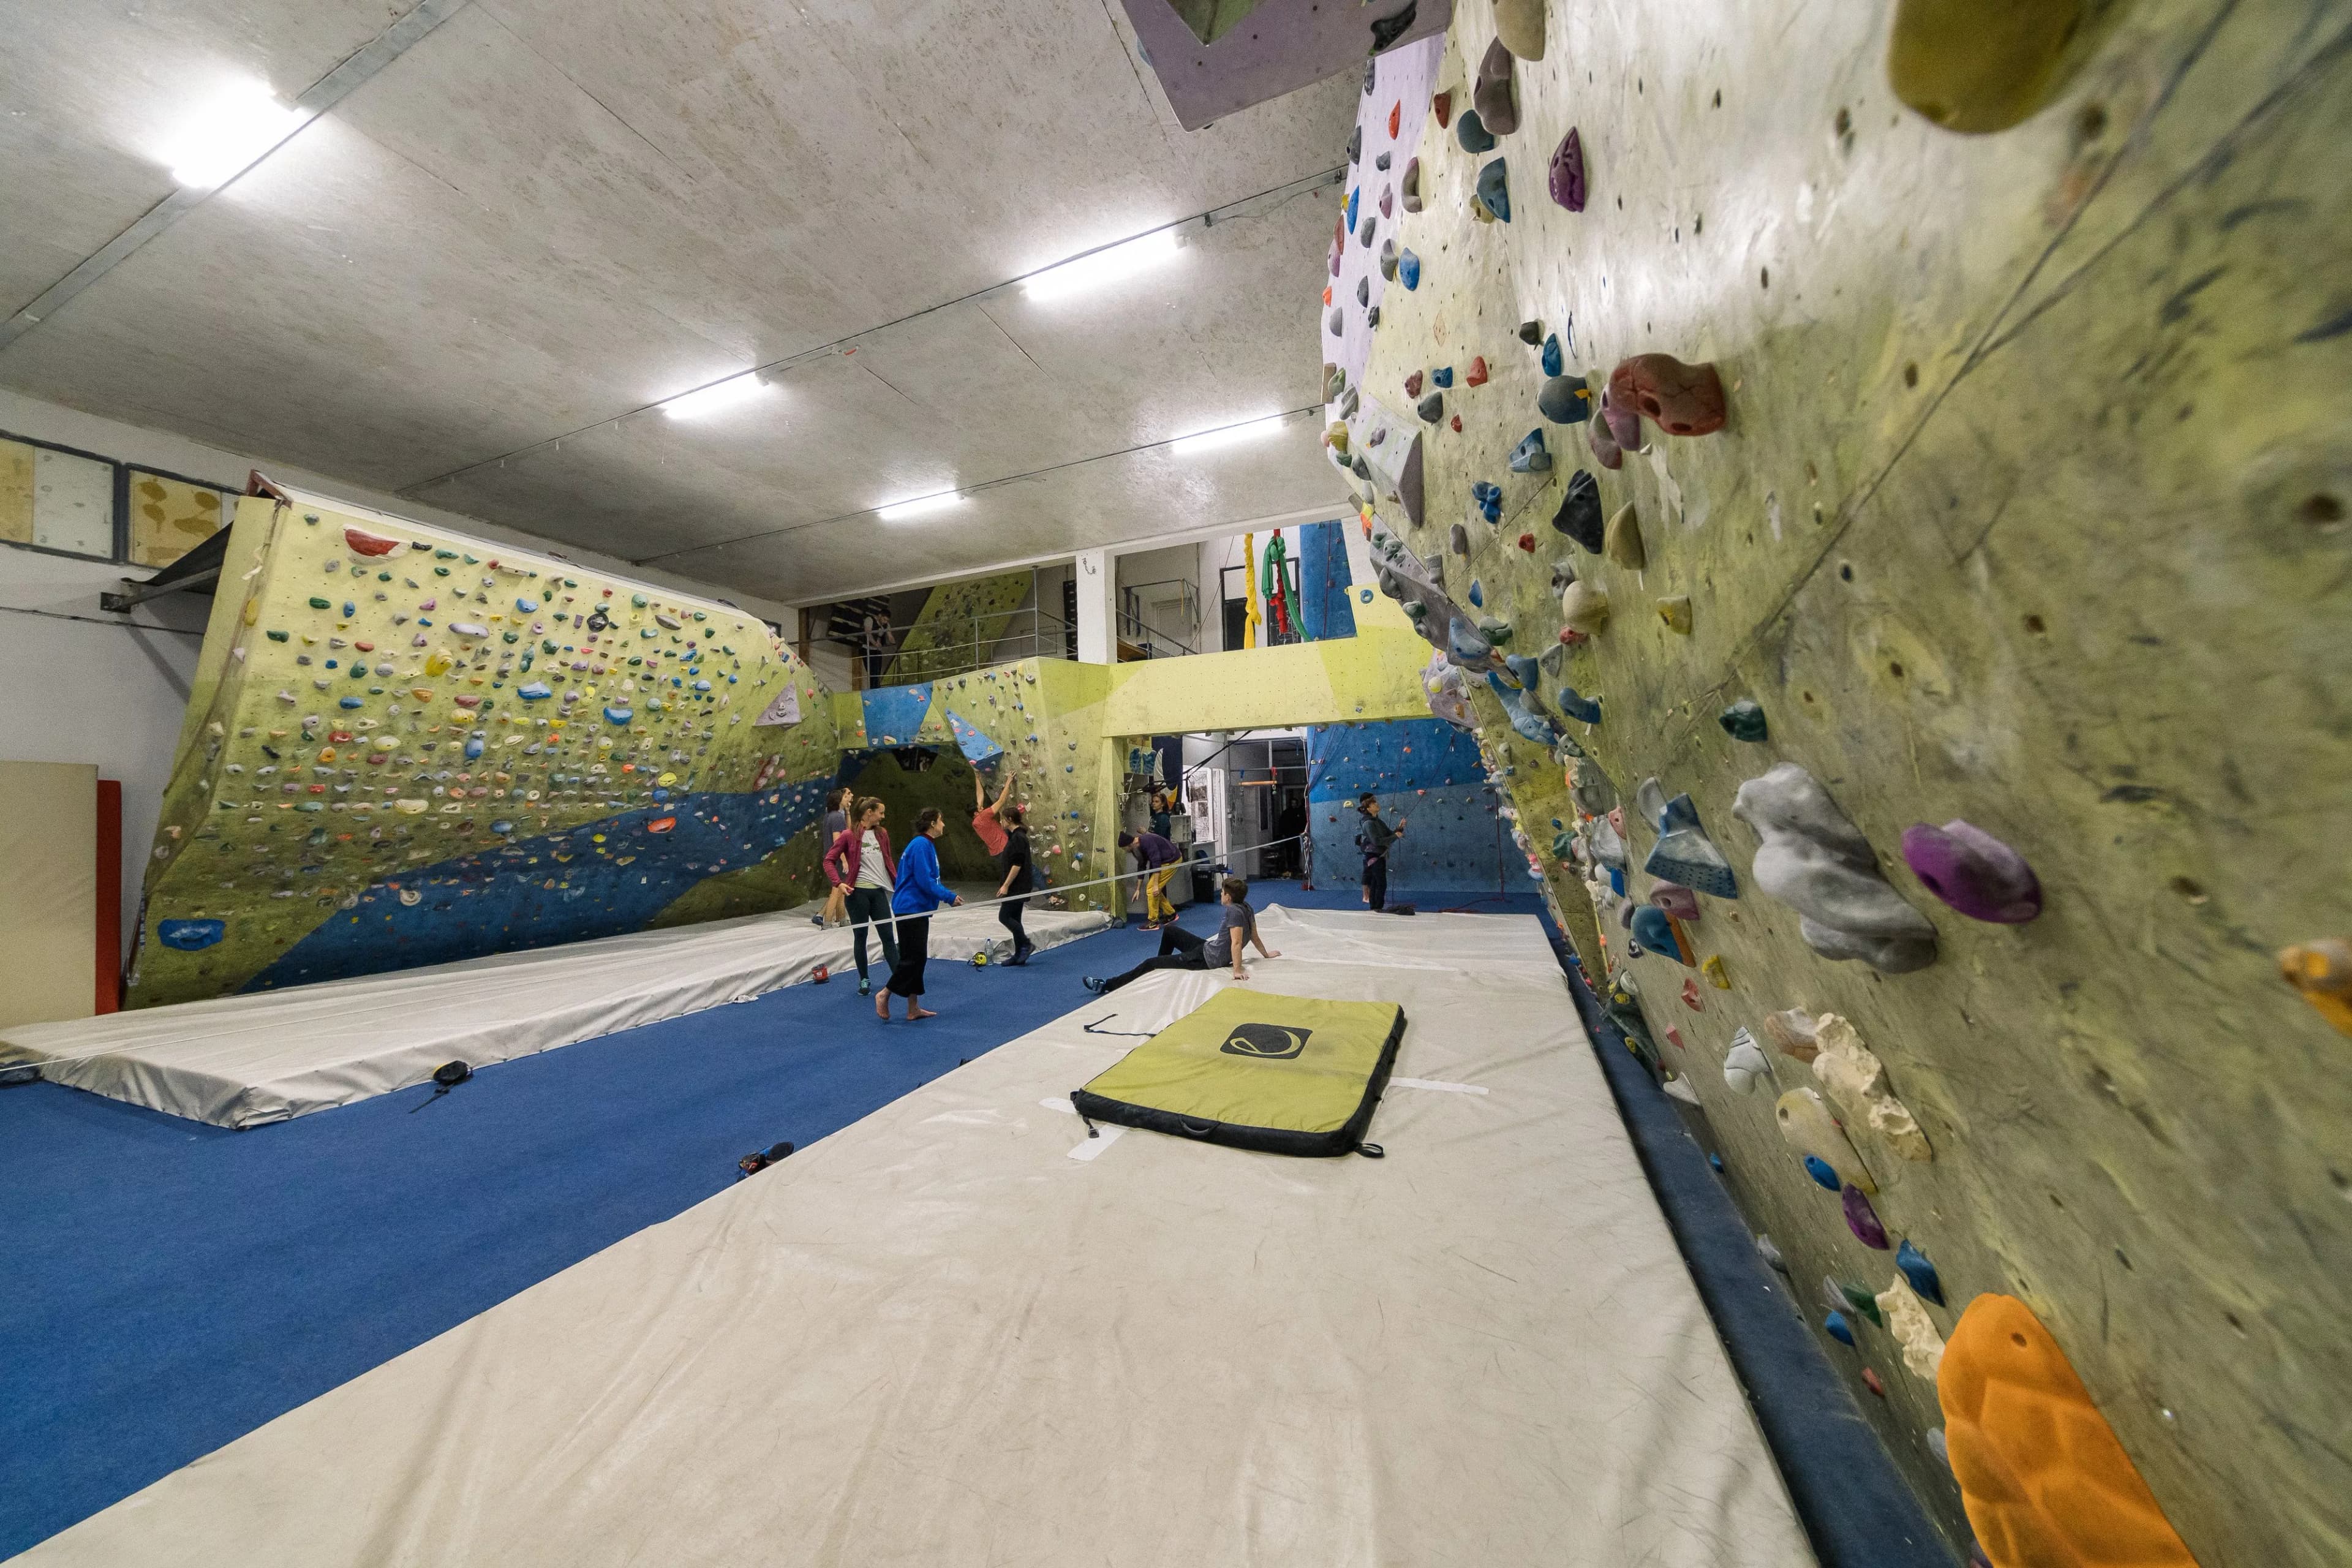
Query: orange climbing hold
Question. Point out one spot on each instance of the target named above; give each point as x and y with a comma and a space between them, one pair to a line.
2322, 970
2045, 1483
1396, 118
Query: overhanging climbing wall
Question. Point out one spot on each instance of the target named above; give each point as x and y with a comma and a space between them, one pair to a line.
404, 747
2027, 509
1426, 775
958, 624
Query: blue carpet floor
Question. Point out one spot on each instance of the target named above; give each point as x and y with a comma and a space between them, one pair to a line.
166, 1287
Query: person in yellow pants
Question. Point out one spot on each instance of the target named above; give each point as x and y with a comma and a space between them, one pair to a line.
1159, 860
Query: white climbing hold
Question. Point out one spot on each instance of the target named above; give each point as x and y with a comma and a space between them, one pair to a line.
1856, 1079
1745, 1064
1907, 1320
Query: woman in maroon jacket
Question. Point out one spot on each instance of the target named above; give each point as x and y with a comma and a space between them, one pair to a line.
860, 863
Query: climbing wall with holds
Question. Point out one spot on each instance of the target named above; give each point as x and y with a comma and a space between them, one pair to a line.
1879, 476
405, 747
1043, 719
1428, 776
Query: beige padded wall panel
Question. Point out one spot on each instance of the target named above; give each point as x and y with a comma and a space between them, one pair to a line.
48, 891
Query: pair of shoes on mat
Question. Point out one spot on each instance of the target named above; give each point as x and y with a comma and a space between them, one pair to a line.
1093, 982
1151, 925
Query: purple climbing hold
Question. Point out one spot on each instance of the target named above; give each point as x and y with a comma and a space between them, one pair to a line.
1578, 516
1567, 173
1388, 200
1822, 1172
1605, 450
1974, 872
1493, 95
1624, 423
1495, 188
1861, 1219
1471, 131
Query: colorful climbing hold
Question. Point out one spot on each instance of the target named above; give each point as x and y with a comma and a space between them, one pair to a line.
1808, 1128
1529, 456
2321, 972
363, 542
1870, 1380
1494, 189
1409, 269
1442, 376
1838, 1328
1822, 1172
1743, 721
1583, 709
1441, 105
1921, 1272
1676, 611
1680, 399
1623, 543
1494, 93
1973, 871
1566, 179
1565, 400
1814, 859
1976, 67
1861, 1219
1471, 133
190, 935
1578, 516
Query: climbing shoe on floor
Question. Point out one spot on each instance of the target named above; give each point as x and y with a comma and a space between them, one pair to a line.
1092, 983
864, 986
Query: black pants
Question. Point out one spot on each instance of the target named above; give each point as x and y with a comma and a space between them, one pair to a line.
871, 906
1376, 882
1179, 948
914, 951
1008, 915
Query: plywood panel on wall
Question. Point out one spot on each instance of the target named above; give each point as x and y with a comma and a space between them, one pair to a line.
170, 517
48, 891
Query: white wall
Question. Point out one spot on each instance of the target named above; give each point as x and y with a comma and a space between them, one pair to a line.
88, 686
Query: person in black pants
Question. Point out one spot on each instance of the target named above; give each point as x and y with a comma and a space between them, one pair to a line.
1179, 949
919, 893
1013, 861
1374, 838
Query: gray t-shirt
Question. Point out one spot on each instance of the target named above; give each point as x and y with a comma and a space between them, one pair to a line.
1239, 925
837, 823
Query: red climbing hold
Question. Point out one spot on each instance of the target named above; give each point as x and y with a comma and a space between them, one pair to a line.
661, 825
1442, 106
1528, 543
1675, 1037
1326, 293
1476, 374
365, 543
1680, 399
1456, 423
820, 975
1691, 999
1870, 1380
1413, 385
1396, 117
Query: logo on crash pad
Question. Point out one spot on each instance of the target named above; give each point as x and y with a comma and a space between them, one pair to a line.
1270, 1041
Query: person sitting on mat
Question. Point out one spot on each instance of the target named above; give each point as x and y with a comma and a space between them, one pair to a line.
1012, 859
860, 862
1374, 838
919, 893
1179, 949
1158, 861
984, 816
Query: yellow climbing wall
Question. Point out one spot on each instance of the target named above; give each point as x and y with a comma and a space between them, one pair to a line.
2030, 511
957, 624
404, 747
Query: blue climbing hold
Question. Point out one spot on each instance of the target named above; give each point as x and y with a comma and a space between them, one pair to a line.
536, 691
1365, 594
1352, 198
1838, 1328
1442, 376
1656, 934
526, 606
473, 747
1529, 456
1409, 270
354, 703
1822, 1172
1583, 709
702, 686
1493, 189
350, 609
1472, 132
1553, 365
503, 828
1919, 1272
1489, 499
1715, 1161
1477, 594
618, 715
190, 936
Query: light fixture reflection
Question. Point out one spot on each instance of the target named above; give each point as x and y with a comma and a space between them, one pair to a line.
735, 390
920, 506
1227, 435
1105, 265
235, 126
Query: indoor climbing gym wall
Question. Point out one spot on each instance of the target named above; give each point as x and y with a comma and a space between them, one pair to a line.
1042, 718
958, 624
406, 747
1427, 775
1876, 478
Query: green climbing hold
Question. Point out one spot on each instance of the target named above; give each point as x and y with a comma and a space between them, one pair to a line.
318, 604
1743, 721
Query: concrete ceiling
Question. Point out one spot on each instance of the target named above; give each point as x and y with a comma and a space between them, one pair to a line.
469, 282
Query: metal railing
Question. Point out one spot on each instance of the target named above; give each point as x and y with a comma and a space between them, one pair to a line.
1153, 641
960, 645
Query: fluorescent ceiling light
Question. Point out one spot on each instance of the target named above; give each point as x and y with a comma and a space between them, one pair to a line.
234, 127
1227, 435
1105, 265
920, 505
716, 396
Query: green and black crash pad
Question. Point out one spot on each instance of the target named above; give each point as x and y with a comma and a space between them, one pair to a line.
1282, 1074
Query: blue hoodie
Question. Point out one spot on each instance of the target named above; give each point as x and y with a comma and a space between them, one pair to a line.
919, 888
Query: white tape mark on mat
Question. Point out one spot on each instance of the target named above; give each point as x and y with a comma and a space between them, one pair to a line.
1433, 1083
1103, 1136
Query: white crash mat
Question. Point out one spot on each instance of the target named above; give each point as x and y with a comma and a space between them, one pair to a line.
962, 1332
241, 1061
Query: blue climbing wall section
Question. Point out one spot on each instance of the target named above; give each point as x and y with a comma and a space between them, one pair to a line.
1324, 610
1427, 775
894, 713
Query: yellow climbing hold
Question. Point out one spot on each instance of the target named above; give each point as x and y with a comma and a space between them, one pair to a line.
2322, 972
1979, 65
437, 663
1713, 969
412, 807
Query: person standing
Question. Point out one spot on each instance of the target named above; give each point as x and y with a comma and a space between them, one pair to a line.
1157, 860
919, 893
877, 635
860, 861
1013, 860
1179, 949
1374, 838
837, 823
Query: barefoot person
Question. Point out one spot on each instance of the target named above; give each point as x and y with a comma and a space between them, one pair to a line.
837, 823
1179, 949
860, 861
1013, 860
919, 893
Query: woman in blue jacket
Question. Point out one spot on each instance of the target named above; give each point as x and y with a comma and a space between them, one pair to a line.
919, 893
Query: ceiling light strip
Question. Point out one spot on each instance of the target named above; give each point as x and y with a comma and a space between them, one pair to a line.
320, 96
968, 491
1246, 206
